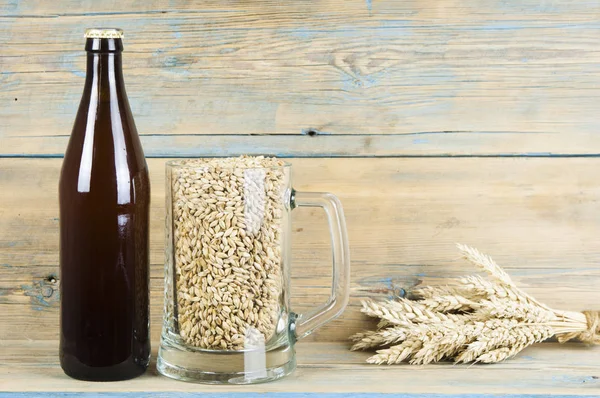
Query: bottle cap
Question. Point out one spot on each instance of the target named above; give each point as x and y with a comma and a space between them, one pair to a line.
103, 33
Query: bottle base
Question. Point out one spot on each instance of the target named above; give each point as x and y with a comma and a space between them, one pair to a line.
226, 367
123, 371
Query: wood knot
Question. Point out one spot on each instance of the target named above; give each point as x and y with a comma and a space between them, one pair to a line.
43, 292
312, 132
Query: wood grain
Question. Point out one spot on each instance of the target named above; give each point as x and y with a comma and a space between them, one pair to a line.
537, 217
544, 369
334, 66
471, 121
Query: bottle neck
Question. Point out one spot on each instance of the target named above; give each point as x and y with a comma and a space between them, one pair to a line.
104, 76
104, 68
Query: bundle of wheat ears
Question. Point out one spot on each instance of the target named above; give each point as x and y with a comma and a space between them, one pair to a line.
476, 320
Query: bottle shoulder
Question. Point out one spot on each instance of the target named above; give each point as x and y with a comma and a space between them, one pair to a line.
104, 154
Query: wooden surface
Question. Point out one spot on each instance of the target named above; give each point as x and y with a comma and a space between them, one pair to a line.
548, 369
529, 70
472, 121
537, 217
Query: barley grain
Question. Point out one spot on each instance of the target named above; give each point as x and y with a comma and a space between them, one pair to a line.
227, 229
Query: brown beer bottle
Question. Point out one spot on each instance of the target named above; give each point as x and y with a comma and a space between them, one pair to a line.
104, 196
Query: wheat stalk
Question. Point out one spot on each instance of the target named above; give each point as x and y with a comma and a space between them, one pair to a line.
479, 320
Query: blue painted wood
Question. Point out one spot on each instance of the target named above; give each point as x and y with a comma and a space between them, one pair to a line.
359, 67
266, 394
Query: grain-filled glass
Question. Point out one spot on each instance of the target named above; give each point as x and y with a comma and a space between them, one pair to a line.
227, 316
104, 197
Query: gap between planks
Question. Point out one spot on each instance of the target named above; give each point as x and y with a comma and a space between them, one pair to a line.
452, 144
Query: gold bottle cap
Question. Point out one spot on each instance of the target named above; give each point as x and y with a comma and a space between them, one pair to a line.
103, 33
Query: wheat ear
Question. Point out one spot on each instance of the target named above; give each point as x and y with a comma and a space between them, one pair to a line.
478, 320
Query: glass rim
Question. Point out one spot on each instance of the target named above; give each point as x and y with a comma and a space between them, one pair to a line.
177, 163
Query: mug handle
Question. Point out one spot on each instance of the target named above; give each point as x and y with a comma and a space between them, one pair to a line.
306, 323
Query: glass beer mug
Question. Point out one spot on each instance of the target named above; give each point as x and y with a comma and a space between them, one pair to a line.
227, 316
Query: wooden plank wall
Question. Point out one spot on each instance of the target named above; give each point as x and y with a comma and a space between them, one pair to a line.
436, 122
